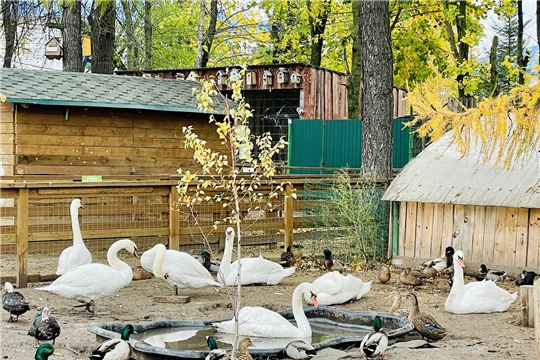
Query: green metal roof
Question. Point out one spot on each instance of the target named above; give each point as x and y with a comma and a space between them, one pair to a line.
99, 90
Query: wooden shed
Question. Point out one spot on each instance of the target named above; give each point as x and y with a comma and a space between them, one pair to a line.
57, 123
491, 213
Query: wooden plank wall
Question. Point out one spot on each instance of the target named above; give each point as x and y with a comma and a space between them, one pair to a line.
7, 138
490, 235
325, 95
96, 141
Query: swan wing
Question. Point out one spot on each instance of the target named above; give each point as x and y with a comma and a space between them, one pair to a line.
258, 270
186, 271
73, 256
485, 296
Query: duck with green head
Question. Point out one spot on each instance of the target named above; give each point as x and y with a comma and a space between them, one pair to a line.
332, 264
375, 343
115, 349
44, 351
215, 352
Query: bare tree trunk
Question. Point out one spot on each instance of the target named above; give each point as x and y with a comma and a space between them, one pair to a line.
102, 22
377, 86
538, 22
149, 62
520, 59
210, 33
71, 36
317, 27
200, 35
355, 76
493, 62
130, 32
10, 11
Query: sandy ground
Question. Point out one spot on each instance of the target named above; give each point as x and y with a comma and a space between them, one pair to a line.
482, 336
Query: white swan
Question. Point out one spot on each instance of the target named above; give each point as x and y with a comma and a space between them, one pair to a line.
475, 297
260, 322
254, 270
77, 254
334, 288
90, 282
180, 269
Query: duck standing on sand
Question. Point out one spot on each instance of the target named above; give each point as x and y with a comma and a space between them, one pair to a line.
425, 324
384, 274
45, 327
14, 302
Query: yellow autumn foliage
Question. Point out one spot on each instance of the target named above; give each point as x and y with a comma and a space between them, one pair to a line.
506, 126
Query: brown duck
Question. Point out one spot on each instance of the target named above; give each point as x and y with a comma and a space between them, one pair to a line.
425, 324
384, 274
330, 263
407, 278
241, 353
396, 305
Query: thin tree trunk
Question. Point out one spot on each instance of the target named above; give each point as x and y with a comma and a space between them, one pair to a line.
210, 33
317, 27
102, 23
493, 62
377, 86
354, 78
10, 10
538, 23
149, 61
200, 35
520, 59
130, 33
71, 34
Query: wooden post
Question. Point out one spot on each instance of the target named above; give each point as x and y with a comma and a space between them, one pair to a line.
527, 305
22, 238
288, 215
174, 219
536, 303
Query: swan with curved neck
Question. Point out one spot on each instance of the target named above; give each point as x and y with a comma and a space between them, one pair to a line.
76, 254
90, 282
180, 269
334, 288
254, 270
475, 297
261, 322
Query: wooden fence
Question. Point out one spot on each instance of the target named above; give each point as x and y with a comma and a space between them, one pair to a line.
35, 216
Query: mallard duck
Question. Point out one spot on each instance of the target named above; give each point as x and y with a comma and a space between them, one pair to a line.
215, 352
115, 349
206, 260
14, 302
241, 353
384, 274
254, 270
475, 297
407, 278
298, 350
441, 263
44, 351
262, 322
330, 263
333, 288
180, 269
91, 282
76, 254
396, 305
429, 272
375, 343
45, 327
287, 258
490, 274
526, 278
425, 324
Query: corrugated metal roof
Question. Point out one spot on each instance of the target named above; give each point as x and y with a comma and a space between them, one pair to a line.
99, 90
440, 174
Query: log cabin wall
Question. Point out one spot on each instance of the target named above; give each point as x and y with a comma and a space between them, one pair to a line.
7, 138
497, 236
56, 140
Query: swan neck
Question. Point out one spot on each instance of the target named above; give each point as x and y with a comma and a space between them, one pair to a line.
226, 259
298, 311
114, 261
75, 227
157, 266
458, 282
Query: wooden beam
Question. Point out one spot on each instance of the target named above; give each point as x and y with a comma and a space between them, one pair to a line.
536, 297
174, 219
527, 305
22, 238
288, 215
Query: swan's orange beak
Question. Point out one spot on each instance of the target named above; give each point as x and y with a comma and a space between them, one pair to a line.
135, 253
461, 262
314, 301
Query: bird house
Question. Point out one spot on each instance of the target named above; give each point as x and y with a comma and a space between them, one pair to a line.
267, 78
221, 77
296, 77
193, 76
282, 76
53, 50
251, 78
